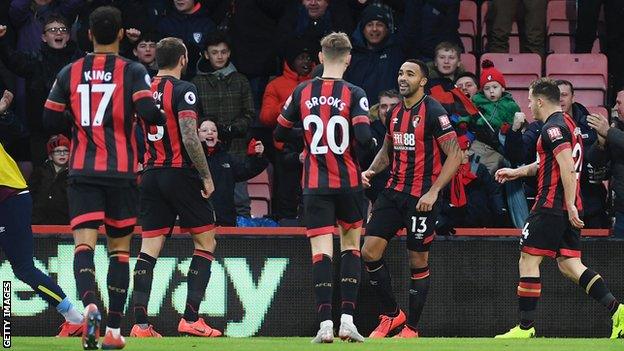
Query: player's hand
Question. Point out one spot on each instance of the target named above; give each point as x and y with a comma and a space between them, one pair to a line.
3, 30
133, 34
506, 174
5, 101
366, 178
426, 202
573, 217
208, 187
259, 148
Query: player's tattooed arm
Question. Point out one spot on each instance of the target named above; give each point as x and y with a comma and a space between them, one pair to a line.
529, 170
190, 139
382, 159
453, 154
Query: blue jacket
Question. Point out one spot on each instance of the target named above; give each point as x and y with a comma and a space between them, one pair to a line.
193, 29
374, 70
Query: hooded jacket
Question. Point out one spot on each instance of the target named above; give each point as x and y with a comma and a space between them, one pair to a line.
375, 69
276, 93
496, 112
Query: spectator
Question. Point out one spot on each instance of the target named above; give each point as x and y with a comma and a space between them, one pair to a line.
587, 23
475, 198
377, 54
387, 101
501, 16
287, 168
191, 23
497, 109
226, 170
446, 63
593, 191
428, 23
225, 94
468, 83
48, 184
609, 149
39, 68
10, 128
311, 20
145, 51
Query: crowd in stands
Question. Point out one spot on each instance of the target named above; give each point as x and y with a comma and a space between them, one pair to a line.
247, 56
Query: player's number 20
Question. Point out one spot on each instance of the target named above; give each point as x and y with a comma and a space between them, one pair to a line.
85, 91
332, 144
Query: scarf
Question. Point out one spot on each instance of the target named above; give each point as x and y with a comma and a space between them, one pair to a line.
224, 72
458, 185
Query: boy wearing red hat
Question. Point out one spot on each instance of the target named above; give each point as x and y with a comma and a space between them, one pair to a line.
48, 184
497, 109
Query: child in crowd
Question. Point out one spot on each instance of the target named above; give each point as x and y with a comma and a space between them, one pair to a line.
497, 109
48, 184
227, 170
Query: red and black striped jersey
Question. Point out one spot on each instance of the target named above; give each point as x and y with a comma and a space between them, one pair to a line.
163, 143
415, 134
558, 133
101, 91
329, 109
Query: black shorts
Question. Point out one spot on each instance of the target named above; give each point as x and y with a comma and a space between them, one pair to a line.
97, 200
546, 234
167, 193
323, 212
394, 211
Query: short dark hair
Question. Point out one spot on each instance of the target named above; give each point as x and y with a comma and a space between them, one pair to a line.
546, 88
168, 52
56, 17
148, 37
469, 75
423, 67
390, 93
105, 23
217, 38
565, 82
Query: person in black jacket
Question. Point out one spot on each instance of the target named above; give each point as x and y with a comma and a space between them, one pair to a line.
40, 68
227, 170
48, 184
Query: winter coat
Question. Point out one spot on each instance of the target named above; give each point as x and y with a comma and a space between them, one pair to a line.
193, 29
276, 93
374, 70
497, 113
39, 68
49, 194
229, 102
226, 171
427, 23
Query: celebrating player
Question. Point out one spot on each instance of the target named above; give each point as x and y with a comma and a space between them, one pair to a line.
176, 181
102, 91
553, 227
419, 135
332, 112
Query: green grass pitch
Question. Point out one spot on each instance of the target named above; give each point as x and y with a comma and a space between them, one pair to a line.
279, 344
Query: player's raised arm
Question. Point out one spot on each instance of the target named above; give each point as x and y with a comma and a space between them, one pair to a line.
142, 97
54, 119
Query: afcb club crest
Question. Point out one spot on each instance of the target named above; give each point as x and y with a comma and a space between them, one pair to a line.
197, 36
415, 120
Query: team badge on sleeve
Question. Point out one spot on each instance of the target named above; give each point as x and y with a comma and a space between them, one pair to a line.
190, 98
364, 103
554, 133
445, 123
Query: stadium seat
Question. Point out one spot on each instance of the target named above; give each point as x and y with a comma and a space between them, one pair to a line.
262, 178
521, 97
468, 24
469, 61
564, 44
559, 12
259, 208
587, 72
468, 44
259, 191
519, 69
598, 110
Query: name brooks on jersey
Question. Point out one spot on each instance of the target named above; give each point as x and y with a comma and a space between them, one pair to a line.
325, 100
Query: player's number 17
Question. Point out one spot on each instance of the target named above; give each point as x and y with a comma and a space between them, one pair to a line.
86, 91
